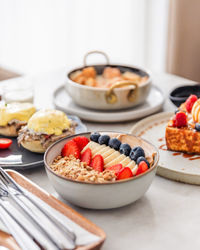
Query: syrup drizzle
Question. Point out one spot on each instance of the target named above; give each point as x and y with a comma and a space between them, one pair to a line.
190, 157
176, 153
195, 158
187, 155
163, 147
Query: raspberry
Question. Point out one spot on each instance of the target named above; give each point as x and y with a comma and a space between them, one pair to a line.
190, 102
180, 120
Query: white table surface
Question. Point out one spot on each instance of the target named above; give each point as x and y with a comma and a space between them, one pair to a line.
166, 217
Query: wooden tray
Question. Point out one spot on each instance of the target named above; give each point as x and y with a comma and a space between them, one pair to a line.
8, 241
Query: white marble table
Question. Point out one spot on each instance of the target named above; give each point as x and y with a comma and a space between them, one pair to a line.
166, 217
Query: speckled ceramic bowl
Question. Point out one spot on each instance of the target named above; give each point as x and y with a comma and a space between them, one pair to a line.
107, 195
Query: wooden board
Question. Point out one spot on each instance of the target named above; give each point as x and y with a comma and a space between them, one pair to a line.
8, 241
172, 165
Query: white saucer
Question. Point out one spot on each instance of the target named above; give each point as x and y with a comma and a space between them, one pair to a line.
172, 165
64, 102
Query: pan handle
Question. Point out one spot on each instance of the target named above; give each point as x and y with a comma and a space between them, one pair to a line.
111, 97
95, 52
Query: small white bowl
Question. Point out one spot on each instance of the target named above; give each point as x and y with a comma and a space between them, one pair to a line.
106, 195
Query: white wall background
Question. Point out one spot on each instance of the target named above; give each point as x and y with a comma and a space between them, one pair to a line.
42, 35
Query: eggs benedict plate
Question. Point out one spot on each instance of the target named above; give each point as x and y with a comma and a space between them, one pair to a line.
44, 128
13, 116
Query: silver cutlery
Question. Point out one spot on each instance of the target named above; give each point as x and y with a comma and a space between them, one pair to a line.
25, 223
21, 236
59, 234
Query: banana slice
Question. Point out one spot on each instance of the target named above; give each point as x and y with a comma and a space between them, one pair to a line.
134, 169
116, 160
111, 157
97, 149
108, 152
92, 145
125, 162
131, 165
102, 150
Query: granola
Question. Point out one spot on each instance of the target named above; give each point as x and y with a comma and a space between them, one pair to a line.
73, 168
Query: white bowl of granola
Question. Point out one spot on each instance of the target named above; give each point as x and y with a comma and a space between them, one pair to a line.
100, 173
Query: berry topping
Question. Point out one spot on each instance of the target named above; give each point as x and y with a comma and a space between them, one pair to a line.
190, 102
71, 148
97, 163
87, 156
94, 136
116, 168
114, 143
197, 126
125, 149
81, 141
125, 173
141, 158
104, 139
136, 153
142, 167
180, 120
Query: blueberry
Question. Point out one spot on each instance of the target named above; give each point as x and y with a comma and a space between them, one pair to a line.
197, 126
114, 143
125, 149
136, 153
141, 158
94, 136
103, 139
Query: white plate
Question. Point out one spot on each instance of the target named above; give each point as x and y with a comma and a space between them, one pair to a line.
154, 103
176, 166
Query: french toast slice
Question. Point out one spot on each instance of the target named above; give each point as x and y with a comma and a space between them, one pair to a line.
182, 139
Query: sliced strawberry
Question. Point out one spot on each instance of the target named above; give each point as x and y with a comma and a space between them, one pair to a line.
116, 168
190, 102
142, 167
125, 173
87, 156
81, 141
71, 148
97, 163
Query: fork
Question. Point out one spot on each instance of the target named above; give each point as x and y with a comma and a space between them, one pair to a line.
24, 240
52, 229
